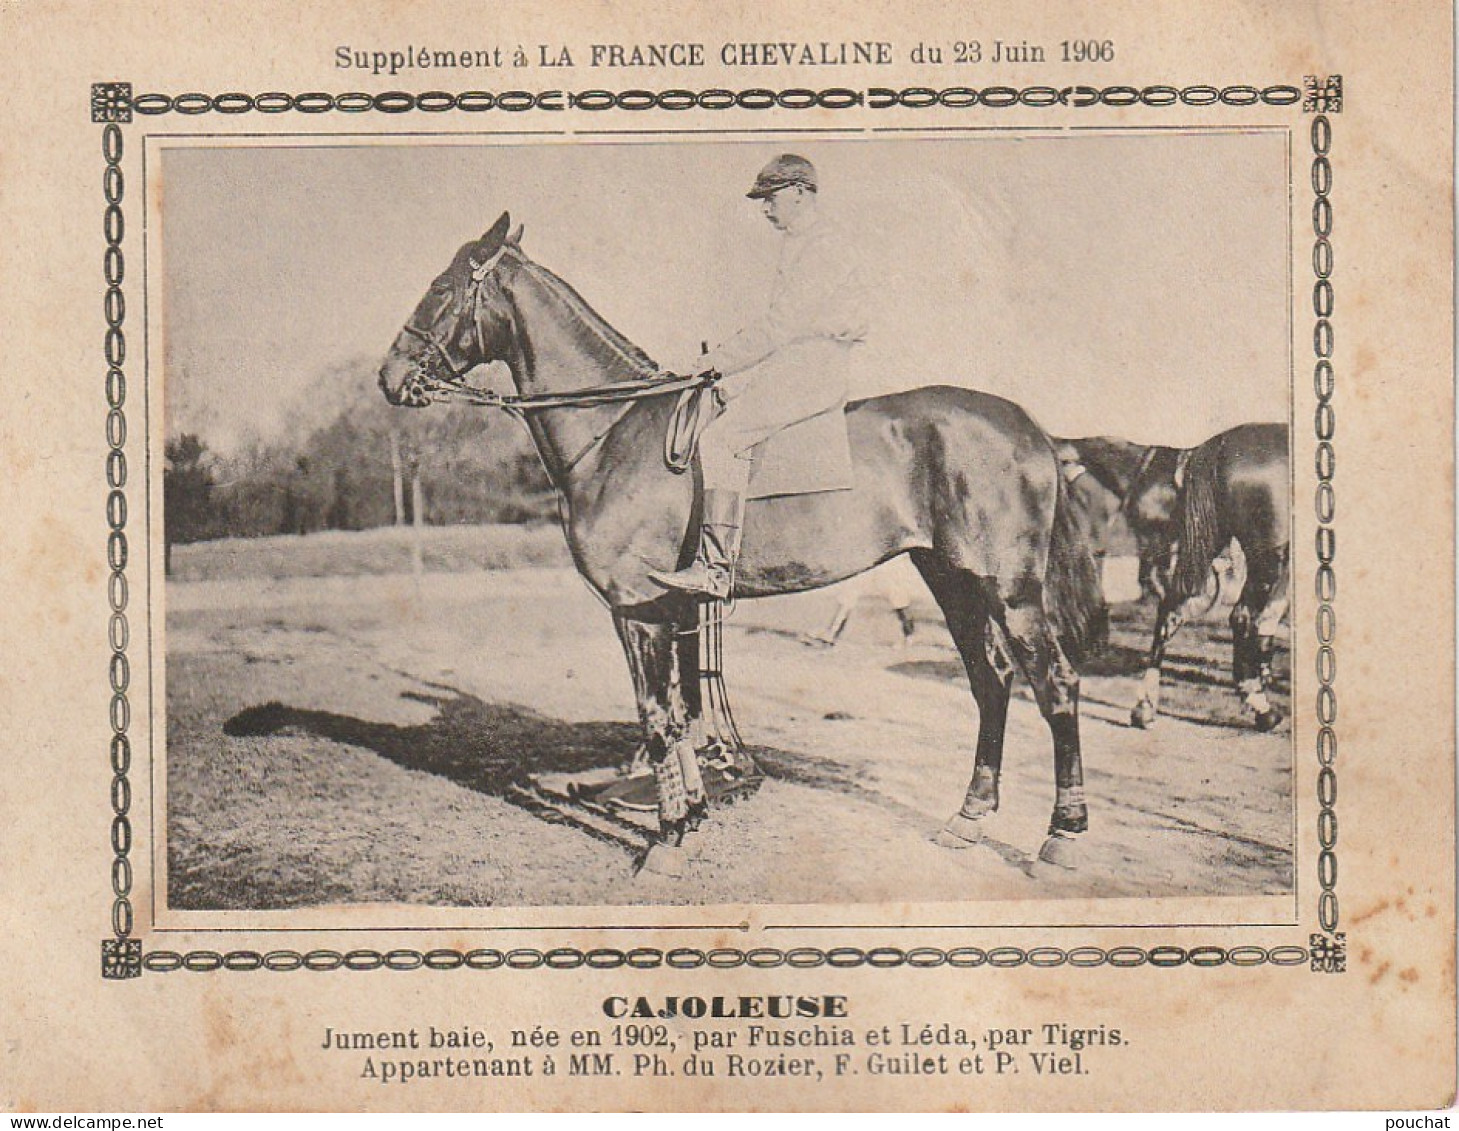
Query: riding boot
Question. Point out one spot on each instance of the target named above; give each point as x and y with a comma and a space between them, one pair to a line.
712, 571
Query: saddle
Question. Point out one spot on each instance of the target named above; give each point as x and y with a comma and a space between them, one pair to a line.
803, 458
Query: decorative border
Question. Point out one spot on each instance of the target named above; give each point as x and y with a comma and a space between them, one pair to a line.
114, 102
113, 105
121, 956
728, 958
1329, 948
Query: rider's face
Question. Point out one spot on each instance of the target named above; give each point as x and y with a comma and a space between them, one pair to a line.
782, 207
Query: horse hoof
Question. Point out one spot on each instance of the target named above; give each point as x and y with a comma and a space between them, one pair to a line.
665, 860
1144, 714
1060, 852
1267, 720
959, 832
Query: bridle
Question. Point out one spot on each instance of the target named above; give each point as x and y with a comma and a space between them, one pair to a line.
422, 387
458, 373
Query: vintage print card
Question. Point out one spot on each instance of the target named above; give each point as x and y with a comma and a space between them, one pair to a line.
660, 557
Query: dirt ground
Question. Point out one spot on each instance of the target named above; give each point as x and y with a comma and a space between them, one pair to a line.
362, 739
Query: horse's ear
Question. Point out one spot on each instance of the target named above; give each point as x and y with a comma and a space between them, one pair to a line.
515, 239
495, 236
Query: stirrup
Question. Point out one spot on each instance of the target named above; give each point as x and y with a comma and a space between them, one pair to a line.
694, 578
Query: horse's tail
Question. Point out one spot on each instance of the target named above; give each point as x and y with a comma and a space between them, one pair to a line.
1198, 518
1073, 595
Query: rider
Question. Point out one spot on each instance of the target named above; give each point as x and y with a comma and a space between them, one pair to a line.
787, 367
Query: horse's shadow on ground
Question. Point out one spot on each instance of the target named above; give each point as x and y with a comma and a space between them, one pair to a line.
498, 749
490, 748
487, 747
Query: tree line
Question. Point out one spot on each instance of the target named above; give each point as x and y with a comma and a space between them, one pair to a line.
359, 463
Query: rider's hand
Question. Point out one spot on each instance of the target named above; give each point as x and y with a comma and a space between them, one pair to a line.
700, 365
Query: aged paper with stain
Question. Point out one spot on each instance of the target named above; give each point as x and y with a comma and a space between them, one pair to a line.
357, 761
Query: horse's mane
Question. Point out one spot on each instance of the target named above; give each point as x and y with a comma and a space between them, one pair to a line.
608, 344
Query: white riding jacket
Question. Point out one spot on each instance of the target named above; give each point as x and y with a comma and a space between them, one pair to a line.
819, 294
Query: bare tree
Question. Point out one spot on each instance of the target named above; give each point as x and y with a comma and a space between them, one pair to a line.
187, 494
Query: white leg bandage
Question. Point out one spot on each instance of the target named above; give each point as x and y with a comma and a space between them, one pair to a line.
1254, 696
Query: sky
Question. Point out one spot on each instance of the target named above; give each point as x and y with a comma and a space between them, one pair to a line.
1132, 284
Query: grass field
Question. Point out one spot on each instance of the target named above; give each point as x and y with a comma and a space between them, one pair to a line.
357, 553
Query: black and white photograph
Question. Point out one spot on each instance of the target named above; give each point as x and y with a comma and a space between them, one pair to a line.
769, 521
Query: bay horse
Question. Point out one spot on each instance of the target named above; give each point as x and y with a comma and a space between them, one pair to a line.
965, 483
1184, 507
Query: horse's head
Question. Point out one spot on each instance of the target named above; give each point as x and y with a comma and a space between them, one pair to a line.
462, 322
1144, 480
1151, 513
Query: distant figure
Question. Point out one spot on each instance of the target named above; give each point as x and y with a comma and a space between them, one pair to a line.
893, 582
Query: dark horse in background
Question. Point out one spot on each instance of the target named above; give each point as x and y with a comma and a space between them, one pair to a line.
967, 484
1112, 481
1185, 506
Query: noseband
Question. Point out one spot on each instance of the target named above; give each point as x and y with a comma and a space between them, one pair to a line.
418, 389
456, 371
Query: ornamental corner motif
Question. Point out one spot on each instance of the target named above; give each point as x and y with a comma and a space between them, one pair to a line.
111, 102
1322, 95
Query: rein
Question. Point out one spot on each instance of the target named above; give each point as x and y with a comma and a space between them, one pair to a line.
618, 392
690, 417
693, 413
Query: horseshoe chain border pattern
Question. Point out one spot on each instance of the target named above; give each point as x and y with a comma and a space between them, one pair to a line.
121, 954
113, 105
116, 99
1331, 942
727, 958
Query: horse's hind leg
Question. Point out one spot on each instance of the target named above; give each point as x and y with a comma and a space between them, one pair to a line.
652, 649
990, 673
1254, 620
1055, 683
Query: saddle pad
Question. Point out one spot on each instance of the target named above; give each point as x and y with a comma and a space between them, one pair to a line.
812, 455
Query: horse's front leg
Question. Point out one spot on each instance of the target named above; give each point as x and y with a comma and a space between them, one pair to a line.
637, 762
687, 653
1169, 618
652, 649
